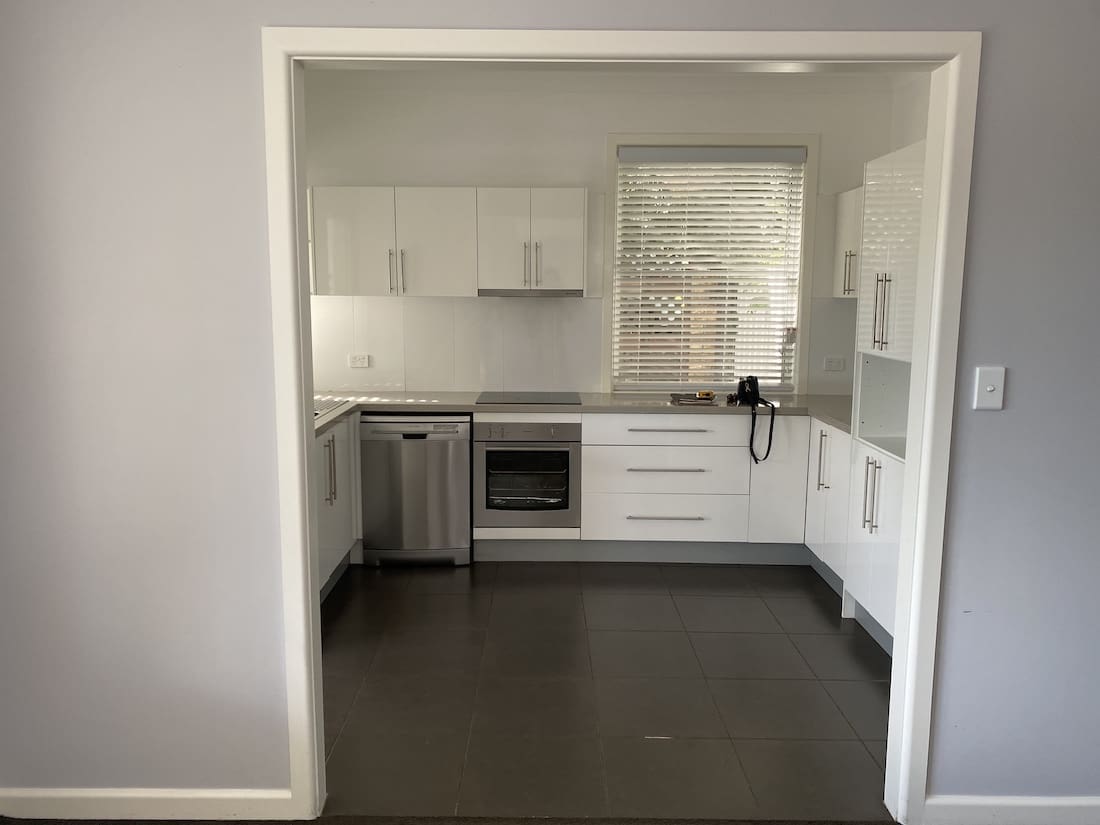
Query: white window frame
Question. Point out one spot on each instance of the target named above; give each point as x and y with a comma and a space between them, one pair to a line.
812, 143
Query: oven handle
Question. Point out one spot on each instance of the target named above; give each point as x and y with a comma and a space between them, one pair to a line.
527, 446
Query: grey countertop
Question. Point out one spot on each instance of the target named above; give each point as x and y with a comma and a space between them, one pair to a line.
832, 409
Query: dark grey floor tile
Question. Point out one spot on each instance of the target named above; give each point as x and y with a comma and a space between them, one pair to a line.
555, 610
454, 652
726, 614
384, 578
865, 704
555, 576
810, 615
707, 579
533, 776
446, 611
854, 656
449, 579
349, 652
813, 780
779, 709
878, 751
395, 774
676, 778
338, 694
526, 651
622, 578
631, 611
779, 581
642, 653
749, 656
519, 706
657, 707
420, 704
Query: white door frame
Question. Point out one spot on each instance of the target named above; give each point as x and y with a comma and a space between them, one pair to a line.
952, 110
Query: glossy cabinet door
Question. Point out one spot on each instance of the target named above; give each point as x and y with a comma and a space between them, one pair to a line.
816, 490
437, 241
777, 513
354, 241
334, 494
504, 239
558, 223
857, 567
874, 253
846, 254
838, 458
874, 533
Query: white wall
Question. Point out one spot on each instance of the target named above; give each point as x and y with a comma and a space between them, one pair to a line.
140, 619
909, 109
493, 127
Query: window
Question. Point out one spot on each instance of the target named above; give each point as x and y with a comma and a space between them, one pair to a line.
708, 255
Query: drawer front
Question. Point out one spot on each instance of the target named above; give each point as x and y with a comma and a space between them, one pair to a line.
684, 429
675, 470
645, 517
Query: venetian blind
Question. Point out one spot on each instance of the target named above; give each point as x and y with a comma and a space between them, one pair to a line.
708, 254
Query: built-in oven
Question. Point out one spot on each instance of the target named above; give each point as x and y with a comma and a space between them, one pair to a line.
527, 474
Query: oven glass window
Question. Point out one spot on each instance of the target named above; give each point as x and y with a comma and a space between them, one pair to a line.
527, 479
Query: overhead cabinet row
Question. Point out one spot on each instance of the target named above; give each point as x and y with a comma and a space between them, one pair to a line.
447, 241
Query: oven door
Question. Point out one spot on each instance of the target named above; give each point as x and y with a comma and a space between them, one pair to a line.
520, 484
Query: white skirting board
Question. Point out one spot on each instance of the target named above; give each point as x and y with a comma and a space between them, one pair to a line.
663, 552
152, 803
1012, 810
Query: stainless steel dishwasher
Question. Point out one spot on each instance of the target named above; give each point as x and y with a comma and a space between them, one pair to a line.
416, 488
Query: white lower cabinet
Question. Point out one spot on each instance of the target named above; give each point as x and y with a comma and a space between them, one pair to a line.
665, 469
333, 491
874, 533
777, 509
668, 517
827, 484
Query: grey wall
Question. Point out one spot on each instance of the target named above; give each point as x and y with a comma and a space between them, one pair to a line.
139, 577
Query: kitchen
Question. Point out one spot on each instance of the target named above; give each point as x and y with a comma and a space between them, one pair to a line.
474, 299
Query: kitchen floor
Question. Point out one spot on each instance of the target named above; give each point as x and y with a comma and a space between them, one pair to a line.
601, 690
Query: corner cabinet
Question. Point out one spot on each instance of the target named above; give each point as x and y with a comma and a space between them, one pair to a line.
892, 193
827, 485
531, 241
333, 493
874, 533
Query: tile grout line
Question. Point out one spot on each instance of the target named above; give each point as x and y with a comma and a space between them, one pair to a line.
596, 701
477, 694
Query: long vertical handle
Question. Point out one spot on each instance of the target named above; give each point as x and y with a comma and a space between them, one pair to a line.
866, 489
328, 453
874, 495
847, 271
335, 475
883, 343
390, 269
403, 281
538, 263
526, 262
874, 319
821, 485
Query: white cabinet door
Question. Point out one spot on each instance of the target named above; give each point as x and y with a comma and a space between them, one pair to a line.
906, 191
646, 517
333, 491
838, 457
857, 568
503, 239
665, 470
885, 530
874, 254
816, 491
777, 507
849, 218
437, 241
672, 429
558, 222
354, 244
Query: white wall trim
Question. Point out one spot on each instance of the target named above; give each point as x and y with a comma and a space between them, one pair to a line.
284, 50
145, 803
1012, 810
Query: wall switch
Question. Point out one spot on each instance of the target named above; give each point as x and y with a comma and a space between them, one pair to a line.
989, 388
835, 363
358, 360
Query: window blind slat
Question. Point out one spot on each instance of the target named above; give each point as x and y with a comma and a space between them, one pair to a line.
707, 264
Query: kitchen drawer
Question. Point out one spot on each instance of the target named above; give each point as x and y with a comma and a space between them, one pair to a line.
648, 517
676, 470
674, 429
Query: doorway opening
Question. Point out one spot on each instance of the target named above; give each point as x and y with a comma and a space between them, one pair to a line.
587, 670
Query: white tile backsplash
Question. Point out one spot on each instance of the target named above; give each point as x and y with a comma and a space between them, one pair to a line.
379, 331
333, 339
430, 344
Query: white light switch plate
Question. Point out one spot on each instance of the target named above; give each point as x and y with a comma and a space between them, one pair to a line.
359, 360
989, 388
834, 363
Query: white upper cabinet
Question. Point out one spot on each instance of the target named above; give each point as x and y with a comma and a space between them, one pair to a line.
849, 223
354, 246
436, 241
893, 188
531, 240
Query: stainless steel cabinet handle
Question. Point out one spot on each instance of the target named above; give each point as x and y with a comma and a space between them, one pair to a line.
404, 282
389, 270
866, 489
332, 466
666, 518
886, 281
875, 467
538, 263
662, 430
665, 469
526, 262
328, 453
821, 485
847, 270
874, 319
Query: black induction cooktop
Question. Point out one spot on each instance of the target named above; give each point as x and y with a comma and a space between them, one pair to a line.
529, 398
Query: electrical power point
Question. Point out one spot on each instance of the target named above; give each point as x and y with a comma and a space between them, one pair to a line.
358, 360
834, 364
